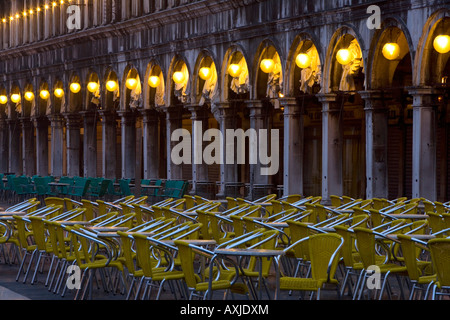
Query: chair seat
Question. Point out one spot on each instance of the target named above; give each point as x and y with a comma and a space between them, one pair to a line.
216, 285
305, 284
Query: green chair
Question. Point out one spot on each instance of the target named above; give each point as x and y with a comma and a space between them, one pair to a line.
125, 187
79, 188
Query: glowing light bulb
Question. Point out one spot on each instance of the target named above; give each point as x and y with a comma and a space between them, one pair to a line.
442, 44
344, 56
44, 94
178, 77
391, 51
154, 81
111, 85
131, 83
75, 87
15, 97
92, 87
59, 93
3, 99
205, 73
303, 61
234, 70
267, 65
29, 96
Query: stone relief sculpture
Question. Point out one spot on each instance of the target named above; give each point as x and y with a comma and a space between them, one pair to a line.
182, 90
275, 79
240, 84
347, 81
136, 96
160, 92
312, 74
209, 91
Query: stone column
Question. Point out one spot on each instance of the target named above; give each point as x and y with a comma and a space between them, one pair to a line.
89, 143
228, 172
174, 117
4, 146
128, 125
109, 144
424, 182
293, 147
150, 132
73, 137
199, 117
57, 145
28, 154
376, 114
332, 143
14, 160
41, 124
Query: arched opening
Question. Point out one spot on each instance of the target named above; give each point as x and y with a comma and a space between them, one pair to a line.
304, 84
346, 81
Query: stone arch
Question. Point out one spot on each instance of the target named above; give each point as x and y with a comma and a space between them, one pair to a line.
333, 71
154, 97
132, 97
303, 43
110, 99
241, 87
93, 95
28, 103
267, 85
429, 63
58, 103
178, 93
205, 91
380, 71
13, 107
74, 99
43, 98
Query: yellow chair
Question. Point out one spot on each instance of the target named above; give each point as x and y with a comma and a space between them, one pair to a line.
336, 201
195, 285
418, 270
440, 257
436, 222
152, 273
89, 261
369, 250
324, 251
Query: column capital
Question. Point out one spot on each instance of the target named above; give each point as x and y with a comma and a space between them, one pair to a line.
73, 120
424, 97
375, 100
40, 122
197, 112
290, 105
26, 122
56, 117
327, 97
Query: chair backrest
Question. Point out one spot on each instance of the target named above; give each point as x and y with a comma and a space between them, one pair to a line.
440, 257
125, 187
299, 231
144, 254
186, 255
39, 235
347, 247
436, 222
336, 201
324, 250
410, 254
365, 239
22, 231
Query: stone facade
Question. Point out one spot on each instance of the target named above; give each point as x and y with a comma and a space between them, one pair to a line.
373, 128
